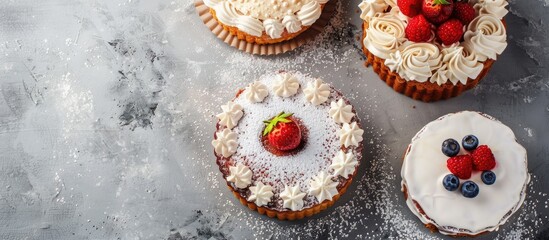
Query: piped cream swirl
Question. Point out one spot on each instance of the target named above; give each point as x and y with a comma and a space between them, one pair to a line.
384, 35
415, 62
486, 37
495, 7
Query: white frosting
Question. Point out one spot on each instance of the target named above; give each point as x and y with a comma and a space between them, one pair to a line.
370, 7
344, 164
293, 198
350, 134
341, 112
486, 37
225, 143
322, 187
317, 92
256, 92
392, 3
309, 13
232, 112
424, 167
255, 17
273, 28
416, 61
240, 175
286, 85
260, 194
495, 7
459, 66
384, 35
291, 23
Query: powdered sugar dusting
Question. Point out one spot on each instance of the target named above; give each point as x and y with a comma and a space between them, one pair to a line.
322, 142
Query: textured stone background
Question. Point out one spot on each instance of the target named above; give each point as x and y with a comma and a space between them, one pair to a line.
107, 113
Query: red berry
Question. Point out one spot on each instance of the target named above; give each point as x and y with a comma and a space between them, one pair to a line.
450, 31
418, 29
282, 133
409, 8
483, 158
461, 166
437, 11
464, 12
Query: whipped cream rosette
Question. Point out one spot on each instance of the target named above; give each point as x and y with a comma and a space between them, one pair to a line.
431, 71
288, 145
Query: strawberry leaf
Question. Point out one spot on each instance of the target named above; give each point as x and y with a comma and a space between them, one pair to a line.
441, 2
271, 124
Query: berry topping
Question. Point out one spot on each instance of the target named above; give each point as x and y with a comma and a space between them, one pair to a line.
450, 147
410, 8
437, 11
469, 142
450, 182
282, 133
461, 166
418, 29
483, 158
488, 177
469, 189
464, 12
450, 31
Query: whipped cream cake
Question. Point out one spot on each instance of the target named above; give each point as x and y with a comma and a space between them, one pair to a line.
266, 22
464, 174
433, 49
288, 145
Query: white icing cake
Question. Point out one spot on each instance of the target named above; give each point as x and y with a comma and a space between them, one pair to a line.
424, 167
300, 168
255, 17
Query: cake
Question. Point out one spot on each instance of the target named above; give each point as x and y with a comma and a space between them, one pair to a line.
265, 22
464, 174
288, 145
431, 50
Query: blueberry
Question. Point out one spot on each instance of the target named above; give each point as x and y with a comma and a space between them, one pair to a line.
469, 142
450, 147
469, 189
488, 177
450, 182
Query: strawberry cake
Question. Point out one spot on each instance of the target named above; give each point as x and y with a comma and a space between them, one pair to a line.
288, 145
464, 174
431, 50
265, 22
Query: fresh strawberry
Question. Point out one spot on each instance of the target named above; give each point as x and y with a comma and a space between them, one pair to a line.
437, 11
461, 166
450, 31
464, 12
282, 133
410, 8
483, 158
418, 29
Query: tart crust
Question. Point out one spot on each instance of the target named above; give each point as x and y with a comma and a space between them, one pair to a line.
423, 91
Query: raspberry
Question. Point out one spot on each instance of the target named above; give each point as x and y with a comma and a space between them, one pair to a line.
418, 29
464, 12
461, 166
483, 158
450, 31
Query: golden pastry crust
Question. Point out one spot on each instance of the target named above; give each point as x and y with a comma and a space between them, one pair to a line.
424, 91
263, 39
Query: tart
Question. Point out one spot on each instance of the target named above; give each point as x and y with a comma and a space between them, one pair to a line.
288, 145
464, 174
425, 58
265, 22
